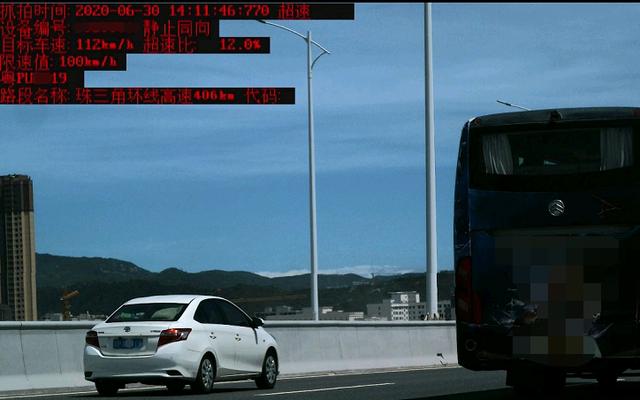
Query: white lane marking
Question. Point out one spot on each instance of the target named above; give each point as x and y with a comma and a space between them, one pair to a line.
326, 389
28, 396
285, 378
370, 372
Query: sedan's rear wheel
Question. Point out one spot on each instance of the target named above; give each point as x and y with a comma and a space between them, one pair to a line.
107, 388
267, 379
206, 376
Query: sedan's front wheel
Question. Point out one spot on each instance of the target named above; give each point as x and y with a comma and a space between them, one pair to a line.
206, 376
267, 379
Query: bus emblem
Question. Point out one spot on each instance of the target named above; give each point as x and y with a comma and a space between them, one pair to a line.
127, 329
556, 208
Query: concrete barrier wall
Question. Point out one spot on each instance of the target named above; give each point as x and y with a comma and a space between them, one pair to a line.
38, 355
338, 346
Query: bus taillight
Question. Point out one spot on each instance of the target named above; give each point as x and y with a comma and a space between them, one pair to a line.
467, 300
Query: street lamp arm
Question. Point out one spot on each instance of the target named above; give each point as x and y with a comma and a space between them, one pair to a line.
283, 27
295, 33
317, 58
320, 46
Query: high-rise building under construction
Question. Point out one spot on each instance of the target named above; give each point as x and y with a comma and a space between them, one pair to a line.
17, 249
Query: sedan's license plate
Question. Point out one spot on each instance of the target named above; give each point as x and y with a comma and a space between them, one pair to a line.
122, 343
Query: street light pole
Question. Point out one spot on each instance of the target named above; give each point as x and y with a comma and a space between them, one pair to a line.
312, 164
431, 299
312, 189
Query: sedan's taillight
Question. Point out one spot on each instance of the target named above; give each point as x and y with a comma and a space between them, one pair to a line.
173, 335
92, 339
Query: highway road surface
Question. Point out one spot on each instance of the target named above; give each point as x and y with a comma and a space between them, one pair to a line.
453, 383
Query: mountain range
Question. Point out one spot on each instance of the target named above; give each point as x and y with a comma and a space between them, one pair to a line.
105, 283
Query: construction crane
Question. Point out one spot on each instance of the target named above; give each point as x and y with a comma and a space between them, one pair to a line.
66, 306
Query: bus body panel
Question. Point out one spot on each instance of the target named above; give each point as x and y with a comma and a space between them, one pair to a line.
510, 210
560, 291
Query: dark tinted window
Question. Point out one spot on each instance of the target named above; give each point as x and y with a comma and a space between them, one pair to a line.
557, 152
148, 312
233, 315
578, 157
209, 313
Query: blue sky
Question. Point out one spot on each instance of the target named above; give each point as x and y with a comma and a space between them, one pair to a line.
225, 187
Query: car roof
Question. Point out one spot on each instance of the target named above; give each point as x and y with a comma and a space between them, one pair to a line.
171, 298
558, 114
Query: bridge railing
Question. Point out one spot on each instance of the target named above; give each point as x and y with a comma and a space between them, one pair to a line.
39, 355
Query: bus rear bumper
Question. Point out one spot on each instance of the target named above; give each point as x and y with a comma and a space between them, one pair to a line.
493, 348
482, 347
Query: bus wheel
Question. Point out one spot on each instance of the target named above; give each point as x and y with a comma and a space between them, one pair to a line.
554, 381
520, 381
527, 381
522, 390
607, 380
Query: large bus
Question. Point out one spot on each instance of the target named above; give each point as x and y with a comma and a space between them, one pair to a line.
547, 245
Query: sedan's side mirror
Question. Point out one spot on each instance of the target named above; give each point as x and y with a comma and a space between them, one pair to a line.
257, 322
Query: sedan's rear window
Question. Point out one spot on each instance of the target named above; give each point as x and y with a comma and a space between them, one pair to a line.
148, 312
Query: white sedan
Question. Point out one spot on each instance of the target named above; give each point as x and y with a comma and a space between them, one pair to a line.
177, 340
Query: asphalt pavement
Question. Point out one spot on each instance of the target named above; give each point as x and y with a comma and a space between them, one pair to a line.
453, 383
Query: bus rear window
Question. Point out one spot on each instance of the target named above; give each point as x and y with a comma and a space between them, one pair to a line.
557, 152
570, 159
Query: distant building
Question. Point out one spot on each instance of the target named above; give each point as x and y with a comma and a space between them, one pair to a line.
446, 285
17, 247
445, 310
401, 306
80, 317
405, 306
5, 313
329, 314
53, 317
326, 313
282, 313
